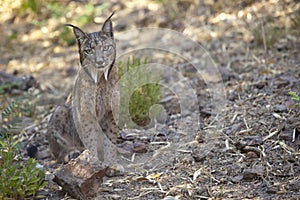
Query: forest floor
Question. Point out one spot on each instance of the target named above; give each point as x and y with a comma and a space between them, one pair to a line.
232, 129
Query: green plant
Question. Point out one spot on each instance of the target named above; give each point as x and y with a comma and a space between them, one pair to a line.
220, 194
295, 97
60, 12
90, 11
9, 119
14, 35
13, 112
67, 36
57, 10
143, 96
19, 179
30, 4
6, 87
141, 101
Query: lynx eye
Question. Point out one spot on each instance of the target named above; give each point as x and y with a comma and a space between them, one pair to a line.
88, 51
105, 48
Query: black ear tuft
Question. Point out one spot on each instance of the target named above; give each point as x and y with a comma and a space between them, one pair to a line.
107, 26
80, 35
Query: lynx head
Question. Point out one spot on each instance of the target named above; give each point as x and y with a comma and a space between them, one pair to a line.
97, 50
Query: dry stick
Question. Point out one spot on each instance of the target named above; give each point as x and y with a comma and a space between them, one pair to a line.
262, 149
234, 117
257, 59
271, 135
264, 36
202, 197
286, 147
214, 120
294, 135
246, 123
157, 152
160, 187
245, 131
227, 146
132, 157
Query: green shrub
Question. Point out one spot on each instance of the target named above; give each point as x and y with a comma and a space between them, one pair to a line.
9, 119
7, 86
19, 178
141, 97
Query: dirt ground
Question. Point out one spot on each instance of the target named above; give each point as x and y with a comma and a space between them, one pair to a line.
231, 131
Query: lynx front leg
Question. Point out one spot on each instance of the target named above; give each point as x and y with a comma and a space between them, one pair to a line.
91, 135
84, 111
111, 130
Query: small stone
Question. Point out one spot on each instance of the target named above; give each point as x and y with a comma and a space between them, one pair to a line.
280, 108
115, 170
198, 157
253, 173
252, 155
260, 85
255, 140
237, 179
188, 160
199, 138
139, 147
32, 151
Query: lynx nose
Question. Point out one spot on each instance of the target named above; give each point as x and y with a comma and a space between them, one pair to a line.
100, 61
99, 58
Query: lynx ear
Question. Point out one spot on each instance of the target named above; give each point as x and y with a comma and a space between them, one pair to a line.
107, 26
80, 35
